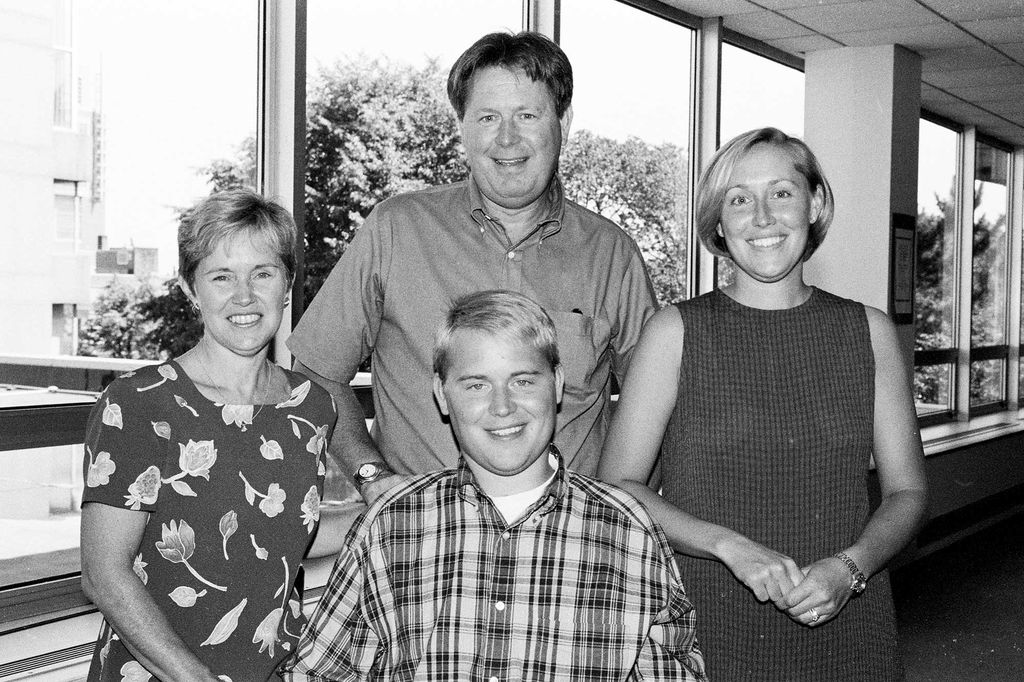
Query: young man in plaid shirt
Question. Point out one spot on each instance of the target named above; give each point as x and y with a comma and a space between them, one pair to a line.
508, 567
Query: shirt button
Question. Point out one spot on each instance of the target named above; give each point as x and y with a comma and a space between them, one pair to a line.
506, 535
511, 255
493, 678
499, 606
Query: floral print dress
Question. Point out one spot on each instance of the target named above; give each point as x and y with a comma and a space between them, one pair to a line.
233, 493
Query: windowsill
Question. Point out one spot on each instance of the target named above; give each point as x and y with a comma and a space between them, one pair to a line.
944, 437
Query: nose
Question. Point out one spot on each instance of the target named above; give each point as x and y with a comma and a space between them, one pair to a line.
763, 214
502, 404
508, 132
243, 293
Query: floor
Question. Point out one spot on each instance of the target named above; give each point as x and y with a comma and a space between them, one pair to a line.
961, 609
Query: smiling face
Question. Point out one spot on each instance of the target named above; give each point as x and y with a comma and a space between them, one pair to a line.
766, 215
240, 289
501, 396
512, 137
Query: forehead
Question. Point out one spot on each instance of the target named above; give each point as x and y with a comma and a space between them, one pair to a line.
478, 353
247, 247
495, 84
765, 162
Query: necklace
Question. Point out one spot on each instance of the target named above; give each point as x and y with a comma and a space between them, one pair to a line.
216, 387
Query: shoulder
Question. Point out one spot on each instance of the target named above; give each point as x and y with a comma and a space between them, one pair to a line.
302, 388
416, 493
665, 322
613, 503
884, 337
140, 384
596, 226
437, 196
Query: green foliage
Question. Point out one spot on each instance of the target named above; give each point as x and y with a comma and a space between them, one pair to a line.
375, 129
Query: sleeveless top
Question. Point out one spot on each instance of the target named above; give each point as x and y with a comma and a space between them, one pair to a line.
772, 436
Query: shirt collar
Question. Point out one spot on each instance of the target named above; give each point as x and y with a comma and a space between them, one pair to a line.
552, 220
471, 492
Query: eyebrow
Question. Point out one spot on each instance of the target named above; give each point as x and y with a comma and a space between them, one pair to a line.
255, 267
484, 377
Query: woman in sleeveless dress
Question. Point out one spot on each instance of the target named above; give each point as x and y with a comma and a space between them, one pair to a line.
767, 400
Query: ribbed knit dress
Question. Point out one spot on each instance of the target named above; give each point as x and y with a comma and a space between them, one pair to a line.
772, 436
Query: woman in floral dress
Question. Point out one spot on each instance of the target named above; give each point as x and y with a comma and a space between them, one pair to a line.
204, 474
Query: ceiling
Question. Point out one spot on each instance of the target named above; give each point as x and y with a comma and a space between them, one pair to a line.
972, 51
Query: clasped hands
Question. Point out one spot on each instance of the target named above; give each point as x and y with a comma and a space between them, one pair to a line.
810, 595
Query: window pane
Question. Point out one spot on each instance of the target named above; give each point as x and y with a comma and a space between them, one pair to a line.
933, 388
94, 196
988, 378
40, 509
988, 296
936, 280
628, 155
379, 118
759, 92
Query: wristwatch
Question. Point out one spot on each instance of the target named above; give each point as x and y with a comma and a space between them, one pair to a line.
369, 472
859, 580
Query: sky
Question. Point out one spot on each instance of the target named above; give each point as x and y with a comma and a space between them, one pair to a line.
179, 83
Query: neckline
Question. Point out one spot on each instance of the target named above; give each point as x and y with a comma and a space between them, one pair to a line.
731, 302
195, 389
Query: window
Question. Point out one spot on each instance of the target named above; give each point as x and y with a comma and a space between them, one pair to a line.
759, 92
963, 295
626, 156
153, 128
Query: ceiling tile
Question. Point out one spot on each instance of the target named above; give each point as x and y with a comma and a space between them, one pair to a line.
954, 59
986, 94
1004, 30
867, 15
996, 75
714, 8
1013, 50
765, 26
917, 38
973, 10
804, 44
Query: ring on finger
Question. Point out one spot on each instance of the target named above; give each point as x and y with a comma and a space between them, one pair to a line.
815, 616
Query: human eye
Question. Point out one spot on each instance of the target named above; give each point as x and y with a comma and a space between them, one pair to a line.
487, 118
737, 200
783, 194
529, 116
523, 382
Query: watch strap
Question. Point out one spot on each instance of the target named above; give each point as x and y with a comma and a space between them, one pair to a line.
858, 579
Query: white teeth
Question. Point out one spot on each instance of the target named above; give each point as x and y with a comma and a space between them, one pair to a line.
507, 431
764, 242
243, 319
508, 162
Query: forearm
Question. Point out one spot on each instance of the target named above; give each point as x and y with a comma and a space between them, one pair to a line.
890, 528
142, 626
335, 522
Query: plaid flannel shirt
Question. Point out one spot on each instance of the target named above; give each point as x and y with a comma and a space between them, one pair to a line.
432, 584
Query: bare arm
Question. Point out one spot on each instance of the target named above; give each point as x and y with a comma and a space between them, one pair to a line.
110, 540
351, 444
631, 450
899, 461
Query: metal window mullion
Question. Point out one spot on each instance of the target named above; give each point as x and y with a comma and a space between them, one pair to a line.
705, 105
543, 16
281, 130
1015, 223
965, 262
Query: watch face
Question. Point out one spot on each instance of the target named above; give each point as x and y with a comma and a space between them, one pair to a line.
859, 583
367, 470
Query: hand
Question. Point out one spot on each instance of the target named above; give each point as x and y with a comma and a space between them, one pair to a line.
822, 594
770, 575
374, 489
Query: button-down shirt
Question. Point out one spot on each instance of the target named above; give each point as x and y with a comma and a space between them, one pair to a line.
416, 253
432, 584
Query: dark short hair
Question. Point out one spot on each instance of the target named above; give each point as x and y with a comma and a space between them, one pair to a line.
501, 313
532, 53
713, 185
225, 214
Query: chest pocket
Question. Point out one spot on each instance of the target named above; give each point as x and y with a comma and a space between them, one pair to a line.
581, 342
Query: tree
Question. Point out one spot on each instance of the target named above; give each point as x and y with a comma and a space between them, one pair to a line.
375, 129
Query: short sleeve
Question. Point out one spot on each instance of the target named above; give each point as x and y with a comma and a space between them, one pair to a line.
123, 449
338, 329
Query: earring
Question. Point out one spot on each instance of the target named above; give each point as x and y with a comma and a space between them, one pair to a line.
195, 307
287, 302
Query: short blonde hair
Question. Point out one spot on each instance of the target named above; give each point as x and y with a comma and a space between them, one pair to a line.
225, 214
506, 314
713, 184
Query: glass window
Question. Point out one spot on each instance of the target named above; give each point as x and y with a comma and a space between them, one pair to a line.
146, 120
759, 92
936, 274
627, 156
379, 119
989, 273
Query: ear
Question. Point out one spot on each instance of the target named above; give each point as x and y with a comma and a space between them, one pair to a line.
439, 395
817, 205
718, 230
189, 294
559, 384
566, 123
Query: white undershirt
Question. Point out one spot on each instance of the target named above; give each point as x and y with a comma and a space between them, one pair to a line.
513, 506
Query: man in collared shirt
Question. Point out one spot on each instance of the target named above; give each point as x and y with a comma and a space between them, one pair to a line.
508, 567
507, 226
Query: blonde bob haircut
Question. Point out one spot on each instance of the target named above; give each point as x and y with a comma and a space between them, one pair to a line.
713, 184
505, 314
